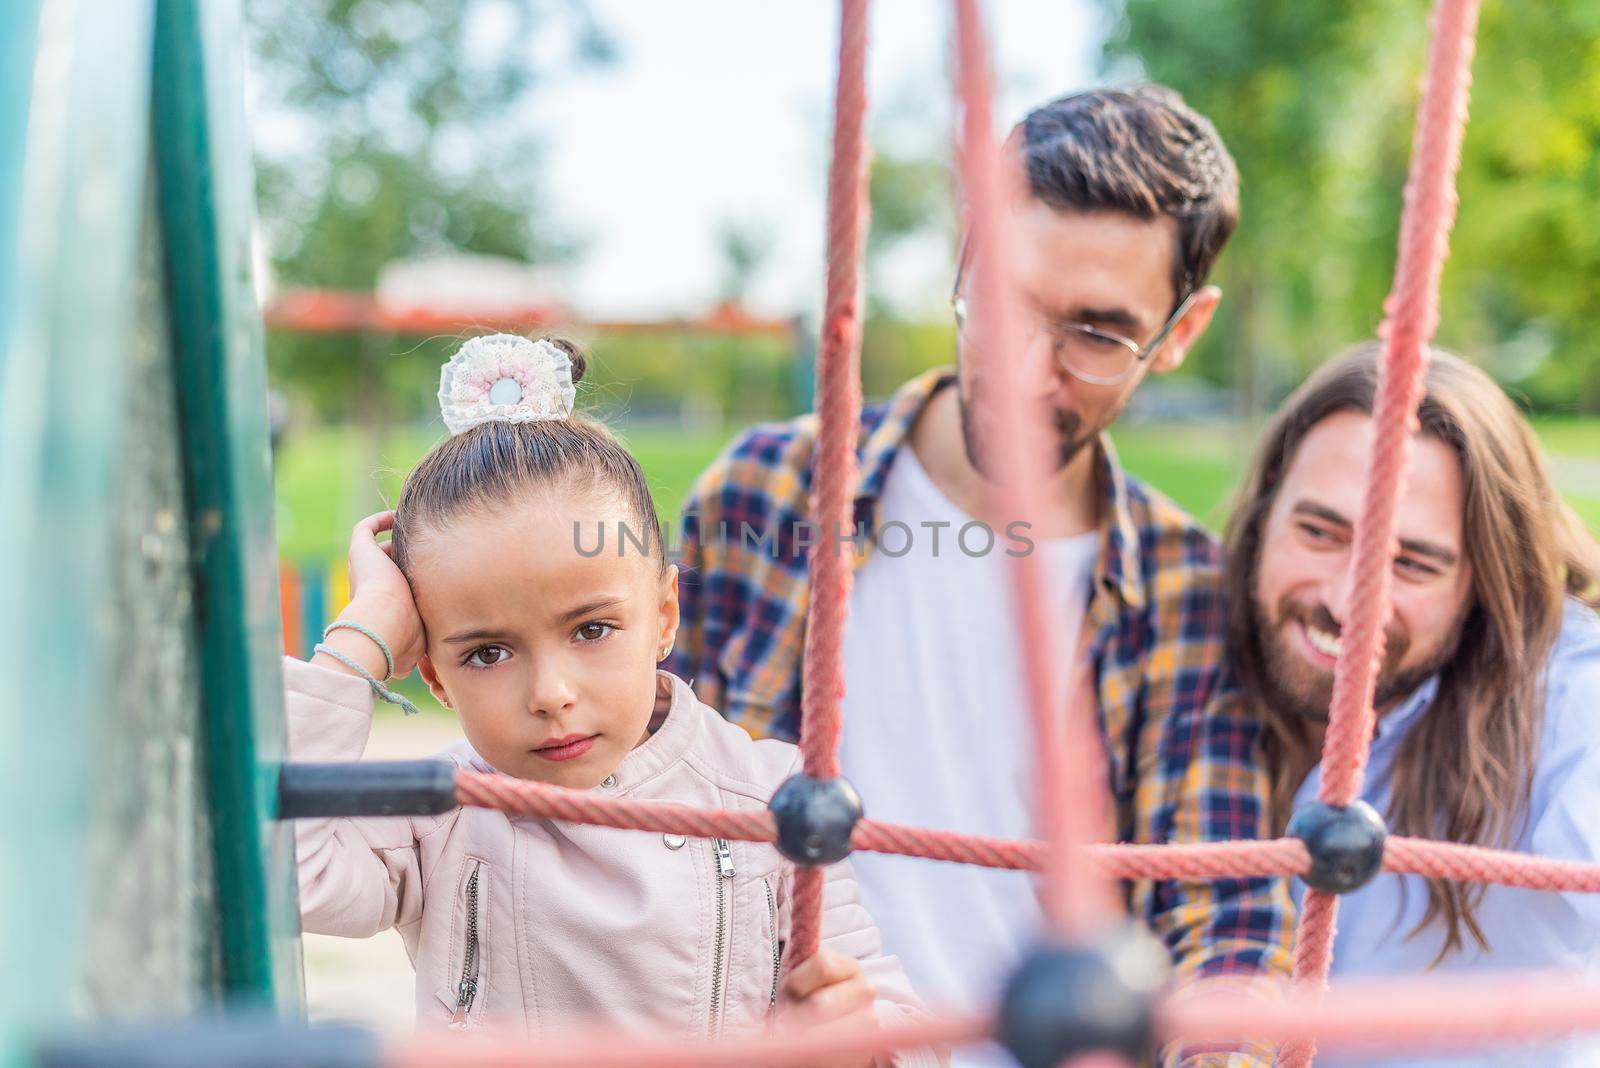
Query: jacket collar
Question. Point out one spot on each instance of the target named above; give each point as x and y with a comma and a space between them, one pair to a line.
1118, 567
668, 744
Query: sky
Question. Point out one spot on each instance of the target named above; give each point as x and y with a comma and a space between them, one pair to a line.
718, 111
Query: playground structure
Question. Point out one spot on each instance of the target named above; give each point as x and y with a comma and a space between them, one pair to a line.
142, 721
141, 635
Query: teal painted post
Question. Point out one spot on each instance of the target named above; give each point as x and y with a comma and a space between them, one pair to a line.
18, 22
803, 370
74, 92
206, 200
313, 605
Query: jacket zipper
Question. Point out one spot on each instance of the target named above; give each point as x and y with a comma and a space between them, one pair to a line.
725, 873
777, 947
468, 988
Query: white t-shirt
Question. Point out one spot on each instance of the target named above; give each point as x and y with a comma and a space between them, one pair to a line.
936, 732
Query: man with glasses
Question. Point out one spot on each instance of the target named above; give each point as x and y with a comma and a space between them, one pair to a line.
1130, 197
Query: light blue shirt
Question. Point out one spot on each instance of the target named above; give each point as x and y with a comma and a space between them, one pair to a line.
1526, 929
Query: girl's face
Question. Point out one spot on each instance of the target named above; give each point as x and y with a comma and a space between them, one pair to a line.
547, 655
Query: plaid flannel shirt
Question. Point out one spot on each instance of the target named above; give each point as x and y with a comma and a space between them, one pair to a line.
1183, 759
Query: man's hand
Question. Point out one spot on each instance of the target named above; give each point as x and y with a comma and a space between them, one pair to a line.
828, 990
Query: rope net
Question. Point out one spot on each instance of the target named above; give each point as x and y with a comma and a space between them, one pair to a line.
1412, 315
1077, 870
1210, 860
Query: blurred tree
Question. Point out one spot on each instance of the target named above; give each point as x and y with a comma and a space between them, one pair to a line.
744, 247
1527, 248
399, 129
909, 191
909, 194
1316, 102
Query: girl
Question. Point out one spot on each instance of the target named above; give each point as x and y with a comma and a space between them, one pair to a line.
546, 649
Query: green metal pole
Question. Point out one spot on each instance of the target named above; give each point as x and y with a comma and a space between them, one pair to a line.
73, 104
206, 199
19, 22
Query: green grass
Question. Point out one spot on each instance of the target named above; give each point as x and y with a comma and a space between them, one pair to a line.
1196, 467
1569, 435
329, 478
673, 459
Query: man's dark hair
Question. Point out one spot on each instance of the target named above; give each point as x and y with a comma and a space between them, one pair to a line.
1141, 151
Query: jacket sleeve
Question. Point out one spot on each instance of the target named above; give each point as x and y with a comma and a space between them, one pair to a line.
847, 928
357, 876
1221, 933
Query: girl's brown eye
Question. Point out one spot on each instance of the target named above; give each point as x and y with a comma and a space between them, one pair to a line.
593, 632
488, 656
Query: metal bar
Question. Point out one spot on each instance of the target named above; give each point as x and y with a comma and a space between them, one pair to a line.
74, 135
223, 1042
366, 788
204, 174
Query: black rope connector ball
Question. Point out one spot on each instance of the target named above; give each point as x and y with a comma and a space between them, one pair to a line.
1063, 1001
1346, 844
815, 818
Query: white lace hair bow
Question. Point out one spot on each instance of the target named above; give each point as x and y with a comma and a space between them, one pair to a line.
503, 376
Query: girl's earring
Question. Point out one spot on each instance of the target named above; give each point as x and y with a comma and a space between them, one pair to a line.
665, 653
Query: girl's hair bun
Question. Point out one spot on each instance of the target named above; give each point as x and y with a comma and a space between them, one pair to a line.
580, 363
499, 452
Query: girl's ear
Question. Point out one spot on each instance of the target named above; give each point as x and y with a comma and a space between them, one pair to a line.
431, 676
669, 611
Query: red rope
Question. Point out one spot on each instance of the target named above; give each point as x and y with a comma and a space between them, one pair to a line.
833, 469
1464, 863
1069, 766
1445, 1012
606, 1051
1413, 315
1449, 1012
1212, 860
523, 797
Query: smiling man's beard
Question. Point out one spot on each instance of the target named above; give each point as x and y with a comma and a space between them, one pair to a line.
1067, 430
1293, 684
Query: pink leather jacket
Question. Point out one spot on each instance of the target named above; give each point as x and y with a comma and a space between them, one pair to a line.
534, 926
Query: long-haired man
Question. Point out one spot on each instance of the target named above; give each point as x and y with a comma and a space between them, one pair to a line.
1488, 695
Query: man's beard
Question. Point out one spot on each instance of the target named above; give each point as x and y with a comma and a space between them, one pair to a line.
1067, 429
1294, 684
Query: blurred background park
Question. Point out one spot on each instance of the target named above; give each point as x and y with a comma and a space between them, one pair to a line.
648, 178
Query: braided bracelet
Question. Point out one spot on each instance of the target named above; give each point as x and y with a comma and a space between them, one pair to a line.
377, 687
350, 624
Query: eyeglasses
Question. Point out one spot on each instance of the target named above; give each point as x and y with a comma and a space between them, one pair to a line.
1097, 356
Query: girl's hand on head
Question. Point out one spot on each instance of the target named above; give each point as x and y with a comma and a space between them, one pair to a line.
828, 990
380, 599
